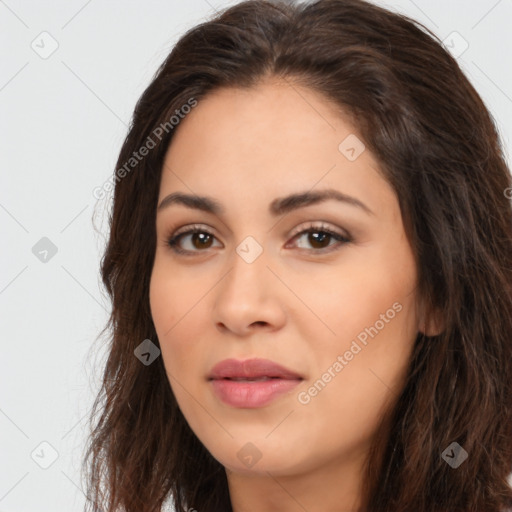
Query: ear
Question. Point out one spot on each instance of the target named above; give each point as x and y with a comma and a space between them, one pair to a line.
430, 319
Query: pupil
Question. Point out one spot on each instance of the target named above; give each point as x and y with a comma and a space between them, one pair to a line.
318, 237
202, 238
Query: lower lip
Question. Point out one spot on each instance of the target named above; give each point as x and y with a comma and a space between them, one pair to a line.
251, 394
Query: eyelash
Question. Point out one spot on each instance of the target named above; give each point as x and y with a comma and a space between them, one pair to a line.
172, 240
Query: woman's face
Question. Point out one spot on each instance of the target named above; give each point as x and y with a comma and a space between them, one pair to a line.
337, 310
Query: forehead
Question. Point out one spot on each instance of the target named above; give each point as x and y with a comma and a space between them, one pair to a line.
246, 125
268, 140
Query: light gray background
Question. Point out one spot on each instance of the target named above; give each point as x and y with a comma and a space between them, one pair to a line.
63, 120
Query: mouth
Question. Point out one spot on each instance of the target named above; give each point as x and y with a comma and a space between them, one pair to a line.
252, 383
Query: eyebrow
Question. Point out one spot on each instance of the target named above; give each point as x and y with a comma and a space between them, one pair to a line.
277, 207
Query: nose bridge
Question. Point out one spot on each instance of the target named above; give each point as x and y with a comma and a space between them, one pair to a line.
248, 275
247, 293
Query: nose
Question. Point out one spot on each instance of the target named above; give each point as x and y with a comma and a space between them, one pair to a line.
249, 298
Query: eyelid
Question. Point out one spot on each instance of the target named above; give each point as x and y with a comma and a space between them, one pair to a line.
320, 225
190, 227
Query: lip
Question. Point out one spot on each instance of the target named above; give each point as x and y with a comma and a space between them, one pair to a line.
251, 368
275, 380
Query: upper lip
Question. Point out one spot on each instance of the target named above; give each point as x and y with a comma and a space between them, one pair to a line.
250, 368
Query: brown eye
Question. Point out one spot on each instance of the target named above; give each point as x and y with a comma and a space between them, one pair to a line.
194, 240
319, 238
201, 240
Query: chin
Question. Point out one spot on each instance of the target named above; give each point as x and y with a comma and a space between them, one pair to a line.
260, 458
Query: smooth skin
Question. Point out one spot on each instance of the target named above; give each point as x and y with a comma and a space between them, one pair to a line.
301, 302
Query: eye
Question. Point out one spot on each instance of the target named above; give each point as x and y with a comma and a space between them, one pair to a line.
318, 236
200, 239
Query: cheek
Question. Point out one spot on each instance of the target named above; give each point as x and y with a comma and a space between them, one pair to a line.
170, 311
173, 294
372, 313
371, 295
379, 324
354, 393
169, 317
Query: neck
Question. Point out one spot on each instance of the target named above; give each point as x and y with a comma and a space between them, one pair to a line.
334, 487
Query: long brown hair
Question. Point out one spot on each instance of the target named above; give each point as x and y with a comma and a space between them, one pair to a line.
439, 148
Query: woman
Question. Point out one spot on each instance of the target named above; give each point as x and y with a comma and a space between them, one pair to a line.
310, 265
